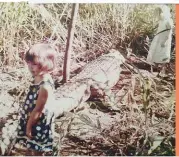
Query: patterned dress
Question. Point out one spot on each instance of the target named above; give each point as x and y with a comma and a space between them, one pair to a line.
42, 131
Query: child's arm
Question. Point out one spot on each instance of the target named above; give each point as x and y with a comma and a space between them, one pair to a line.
37, 111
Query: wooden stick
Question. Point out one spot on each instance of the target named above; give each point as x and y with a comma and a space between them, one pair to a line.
66, 67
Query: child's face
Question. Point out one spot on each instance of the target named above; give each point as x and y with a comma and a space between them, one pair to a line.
34, 68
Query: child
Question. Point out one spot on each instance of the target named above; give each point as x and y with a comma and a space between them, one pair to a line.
35, 130
160, 48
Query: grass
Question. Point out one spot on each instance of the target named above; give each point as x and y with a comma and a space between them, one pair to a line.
100, 27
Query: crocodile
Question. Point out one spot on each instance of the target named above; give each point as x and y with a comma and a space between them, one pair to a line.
101, 74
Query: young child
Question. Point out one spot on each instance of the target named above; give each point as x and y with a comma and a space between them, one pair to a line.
35, 130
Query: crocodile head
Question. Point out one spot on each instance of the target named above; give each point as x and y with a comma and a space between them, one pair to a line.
116, 54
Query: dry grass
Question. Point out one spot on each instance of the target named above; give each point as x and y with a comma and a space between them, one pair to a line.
128, 126
99, 27
146, 121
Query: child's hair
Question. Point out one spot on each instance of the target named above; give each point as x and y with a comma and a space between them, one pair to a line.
43, 55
